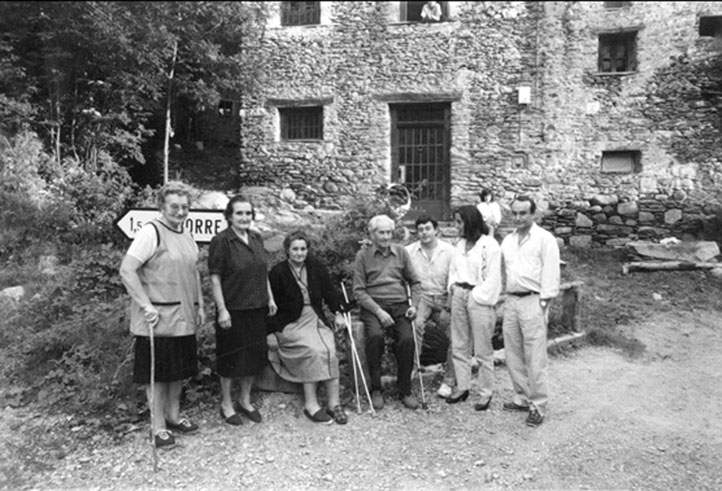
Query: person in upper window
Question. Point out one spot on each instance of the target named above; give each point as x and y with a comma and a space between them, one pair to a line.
490, 210
431, 12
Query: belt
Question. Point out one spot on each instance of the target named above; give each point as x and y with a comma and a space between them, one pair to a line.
523, 294
465, 286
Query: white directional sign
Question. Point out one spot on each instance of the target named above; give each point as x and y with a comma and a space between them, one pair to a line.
202, 224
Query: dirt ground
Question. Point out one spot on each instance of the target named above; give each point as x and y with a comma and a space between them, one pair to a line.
640, 413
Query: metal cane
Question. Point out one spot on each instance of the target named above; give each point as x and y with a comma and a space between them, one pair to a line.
152, 393
355, 356
416, 351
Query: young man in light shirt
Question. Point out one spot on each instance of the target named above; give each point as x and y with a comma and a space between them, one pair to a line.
431, 258
531, 262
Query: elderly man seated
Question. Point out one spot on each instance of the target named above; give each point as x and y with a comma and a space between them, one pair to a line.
381, 273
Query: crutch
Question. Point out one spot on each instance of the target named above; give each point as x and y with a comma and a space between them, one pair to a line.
355, 357
151, 399
416, 351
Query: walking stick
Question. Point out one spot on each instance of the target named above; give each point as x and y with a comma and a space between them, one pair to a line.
416, 351
355, 356
151, 399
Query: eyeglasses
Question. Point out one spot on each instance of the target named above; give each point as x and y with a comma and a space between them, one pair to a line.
179, 207
519, 213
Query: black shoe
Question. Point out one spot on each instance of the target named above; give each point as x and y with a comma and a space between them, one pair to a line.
534, 419
458, 396
338, 414
512, 406
483, 406
319, 416
164, 439
253, 415
234, 419
183, 425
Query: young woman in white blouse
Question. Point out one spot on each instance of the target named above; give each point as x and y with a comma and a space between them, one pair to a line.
474, 289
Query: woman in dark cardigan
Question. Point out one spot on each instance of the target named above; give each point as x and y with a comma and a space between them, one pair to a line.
306, 347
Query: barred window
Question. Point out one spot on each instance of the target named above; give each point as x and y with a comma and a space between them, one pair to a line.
301, 123
225, 109
617, 52
300, 13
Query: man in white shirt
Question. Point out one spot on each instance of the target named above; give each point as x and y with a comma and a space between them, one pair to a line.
531, 262
431, 258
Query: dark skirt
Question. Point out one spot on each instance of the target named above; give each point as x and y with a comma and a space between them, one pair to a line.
241, 349
176, 358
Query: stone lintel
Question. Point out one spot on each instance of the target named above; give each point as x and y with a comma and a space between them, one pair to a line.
300, 102
406, 97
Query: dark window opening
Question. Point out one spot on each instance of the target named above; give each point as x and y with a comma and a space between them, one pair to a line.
710, 26
301, 123
411, 11
617, 5
617, 52
621, 161
225, 109
300, 13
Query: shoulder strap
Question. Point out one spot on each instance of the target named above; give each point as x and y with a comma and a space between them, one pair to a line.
157, 234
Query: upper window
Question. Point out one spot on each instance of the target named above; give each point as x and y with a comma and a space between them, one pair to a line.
225, 109
301, 123
423, 11
300, 13
710, 26
617, 52
617, 5
624, 161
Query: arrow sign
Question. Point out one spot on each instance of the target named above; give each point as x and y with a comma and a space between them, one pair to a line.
202, 224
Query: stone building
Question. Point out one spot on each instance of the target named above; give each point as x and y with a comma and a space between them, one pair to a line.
606, 112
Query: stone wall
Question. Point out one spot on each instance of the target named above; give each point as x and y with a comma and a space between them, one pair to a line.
361, 58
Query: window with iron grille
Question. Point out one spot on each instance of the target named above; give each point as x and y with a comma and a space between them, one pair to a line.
710, 26
411, 11
617, 5
301, 123
621, 161
617, 52
300, 13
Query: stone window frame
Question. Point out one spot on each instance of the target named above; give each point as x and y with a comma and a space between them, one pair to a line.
274, 20
300, 13
629, 36
710, 26
282, 105
633, 156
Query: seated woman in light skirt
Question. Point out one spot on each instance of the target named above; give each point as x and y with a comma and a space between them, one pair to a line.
306, 346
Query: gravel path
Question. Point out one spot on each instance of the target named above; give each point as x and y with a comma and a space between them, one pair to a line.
615, 423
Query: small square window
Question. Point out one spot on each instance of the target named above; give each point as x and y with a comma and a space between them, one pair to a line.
300, 13
423, 11
301, 123
617, 52
225, 109
621, 162
710, 26
617, 5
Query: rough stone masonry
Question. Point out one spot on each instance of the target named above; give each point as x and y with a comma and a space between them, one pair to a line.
611, 156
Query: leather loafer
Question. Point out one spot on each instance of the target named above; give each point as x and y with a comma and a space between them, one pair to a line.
513, 406
253, 415
319, 416
234, 419
457, 396
377, 399
483, 406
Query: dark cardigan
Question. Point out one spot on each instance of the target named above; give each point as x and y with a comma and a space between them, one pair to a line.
288, 296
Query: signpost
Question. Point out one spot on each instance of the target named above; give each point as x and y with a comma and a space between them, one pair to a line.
202, 224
